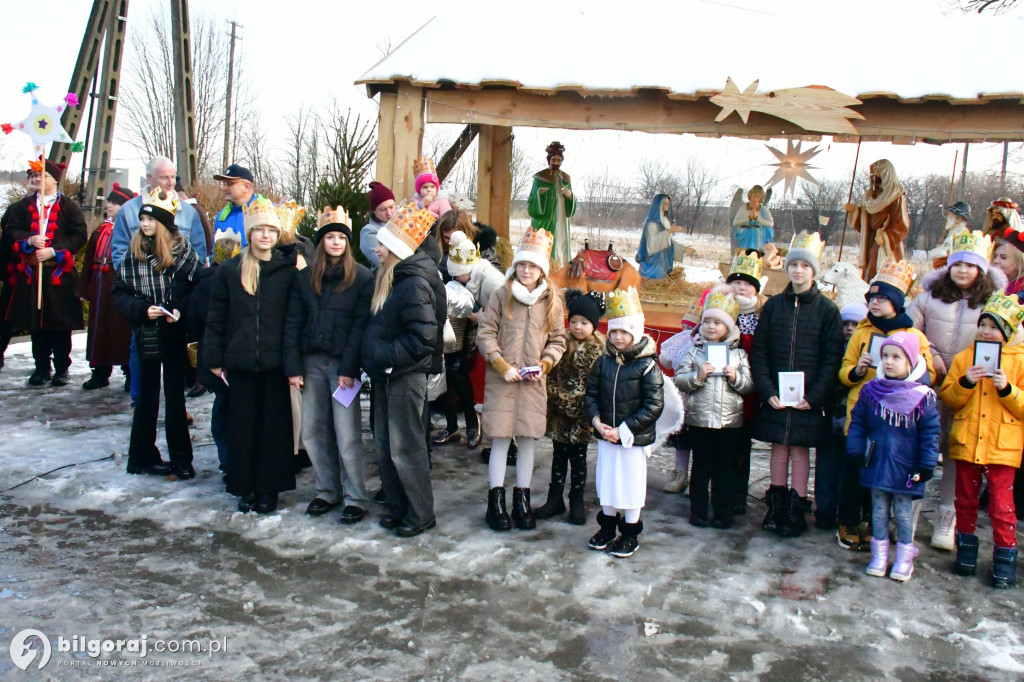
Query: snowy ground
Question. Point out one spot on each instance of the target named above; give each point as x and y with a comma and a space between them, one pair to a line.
89, 550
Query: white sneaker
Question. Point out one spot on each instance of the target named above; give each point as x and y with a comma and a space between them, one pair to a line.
944, 533
677, 483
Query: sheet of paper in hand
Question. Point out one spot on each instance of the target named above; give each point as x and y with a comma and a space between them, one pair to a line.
718, 355
988, 354
875, 348
345, 396
170, 313
791, 388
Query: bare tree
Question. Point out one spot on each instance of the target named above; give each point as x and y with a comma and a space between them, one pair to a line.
991, 6
694, 194
254, 154
820, 208
656, 177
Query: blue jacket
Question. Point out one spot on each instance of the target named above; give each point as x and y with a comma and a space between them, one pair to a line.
898, 449
230, 218
127, 221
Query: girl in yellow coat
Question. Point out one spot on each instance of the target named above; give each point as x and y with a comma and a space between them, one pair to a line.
988, 437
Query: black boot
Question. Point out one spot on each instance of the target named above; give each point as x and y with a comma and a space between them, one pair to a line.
776, 503
522, 515
497, 517
555, 505
606, 535
99, 379
966, 554
1004, 567
577, 509
578, 462
627, 543
792, 523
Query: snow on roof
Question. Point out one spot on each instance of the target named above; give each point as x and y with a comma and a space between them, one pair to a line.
690, 48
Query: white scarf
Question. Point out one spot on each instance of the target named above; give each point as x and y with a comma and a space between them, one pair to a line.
524, 295
748, 304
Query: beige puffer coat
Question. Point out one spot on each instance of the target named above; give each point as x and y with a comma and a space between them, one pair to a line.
519, 335
715, 403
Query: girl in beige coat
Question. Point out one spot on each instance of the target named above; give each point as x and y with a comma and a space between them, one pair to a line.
522, 336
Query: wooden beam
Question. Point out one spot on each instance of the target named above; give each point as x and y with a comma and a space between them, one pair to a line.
407, 140
386, 139
654, 112
452, 156
494, 177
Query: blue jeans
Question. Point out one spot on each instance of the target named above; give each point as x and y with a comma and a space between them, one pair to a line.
219, 426
136, 371
903, 509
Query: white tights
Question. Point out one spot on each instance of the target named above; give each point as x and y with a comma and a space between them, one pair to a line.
524, 462
632, 515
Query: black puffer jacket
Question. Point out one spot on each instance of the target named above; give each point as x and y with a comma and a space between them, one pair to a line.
329, 324
432, 248
796, 333
627, 387
243, 332
403, 335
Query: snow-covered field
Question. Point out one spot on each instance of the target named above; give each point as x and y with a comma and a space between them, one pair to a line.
89, 550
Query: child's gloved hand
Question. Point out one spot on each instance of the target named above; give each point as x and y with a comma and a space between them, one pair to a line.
922, 475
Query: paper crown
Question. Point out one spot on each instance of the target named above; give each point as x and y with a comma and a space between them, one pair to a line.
808, 241
464, 254
260, 211
1007, 311
290, 215
167, 199
225, 249
538, 241
423, 165
411, 224
725, 301
742, 264
965, 240
336, 215
691, 317
622, 303
899, 274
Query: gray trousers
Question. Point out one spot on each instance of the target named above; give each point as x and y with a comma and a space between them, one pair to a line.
333, 435
402, 446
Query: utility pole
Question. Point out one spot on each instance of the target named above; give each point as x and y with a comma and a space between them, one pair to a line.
184, 122
963, 172
227, 100
1002, 173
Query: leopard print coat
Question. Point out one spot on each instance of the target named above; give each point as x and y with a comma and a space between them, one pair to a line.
567, 384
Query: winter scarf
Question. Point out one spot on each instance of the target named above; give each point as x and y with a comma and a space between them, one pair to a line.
524, 295
748, 304
154, 285
888, 325
897, 401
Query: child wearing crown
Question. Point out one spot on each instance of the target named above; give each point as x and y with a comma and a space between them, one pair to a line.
987, 437
894, 431
799, 331
522, 336
947, 311
714, 410
428, 188
153, 281
625, 397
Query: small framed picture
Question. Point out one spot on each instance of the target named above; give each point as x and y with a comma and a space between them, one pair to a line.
791, 388
875, 348
718, 355
988, 354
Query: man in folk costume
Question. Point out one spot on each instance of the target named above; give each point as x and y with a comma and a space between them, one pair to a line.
110, 334
40, 236
552, 203
1002, 220
957, 216
881, 219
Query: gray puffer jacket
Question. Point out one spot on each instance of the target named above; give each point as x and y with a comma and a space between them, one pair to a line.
716, 402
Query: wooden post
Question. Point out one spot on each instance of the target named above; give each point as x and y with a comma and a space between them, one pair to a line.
494, 177
402, 140
386, 138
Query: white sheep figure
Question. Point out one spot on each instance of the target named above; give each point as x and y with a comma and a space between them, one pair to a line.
850, 288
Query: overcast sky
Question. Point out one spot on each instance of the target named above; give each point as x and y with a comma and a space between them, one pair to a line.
307, 52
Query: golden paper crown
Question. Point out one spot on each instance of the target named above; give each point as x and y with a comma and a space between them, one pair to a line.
167, 199
691, 316
331, 216
974, 241
743, 264
808, 241
538, 241
290, 214
411, 224
225, 249
466, 253
1006, 310
622, 303
899, 274
423, 165
260, 211
721, 299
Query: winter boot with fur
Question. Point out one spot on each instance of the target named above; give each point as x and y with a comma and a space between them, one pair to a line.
966, 554
903, 566
497, 516
606, 535
522, 515
879, 565
627, 544
555, 505
943, 535
1004, 567
776, 504
792, 523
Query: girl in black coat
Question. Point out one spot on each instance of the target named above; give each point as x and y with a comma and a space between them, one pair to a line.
245, 347
398, 347
153, 280
799, 330
323, 334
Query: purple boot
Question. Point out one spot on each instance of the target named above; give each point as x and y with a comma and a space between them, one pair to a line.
903, 567
879, 558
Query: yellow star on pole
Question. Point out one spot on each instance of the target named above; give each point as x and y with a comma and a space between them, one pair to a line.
792, 165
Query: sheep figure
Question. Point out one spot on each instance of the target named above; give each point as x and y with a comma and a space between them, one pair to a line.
850, 288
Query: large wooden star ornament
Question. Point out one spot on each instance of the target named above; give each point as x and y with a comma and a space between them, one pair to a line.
815, 107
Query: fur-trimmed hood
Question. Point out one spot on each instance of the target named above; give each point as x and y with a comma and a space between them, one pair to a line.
997, 276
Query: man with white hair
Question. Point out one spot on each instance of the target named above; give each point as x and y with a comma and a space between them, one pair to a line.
160, 172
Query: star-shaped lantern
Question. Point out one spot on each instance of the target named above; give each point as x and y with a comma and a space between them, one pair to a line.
43, 122
792, 165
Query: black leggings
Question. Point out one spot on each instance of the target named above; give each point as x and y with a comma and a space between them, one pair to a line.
460, 391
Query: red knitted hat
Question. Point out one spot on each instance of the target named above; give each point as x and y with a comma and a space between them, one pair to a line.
120, 195
379, 194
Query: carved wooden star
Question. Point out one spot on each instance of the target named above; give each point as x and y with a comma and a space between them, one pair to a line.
815, 107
